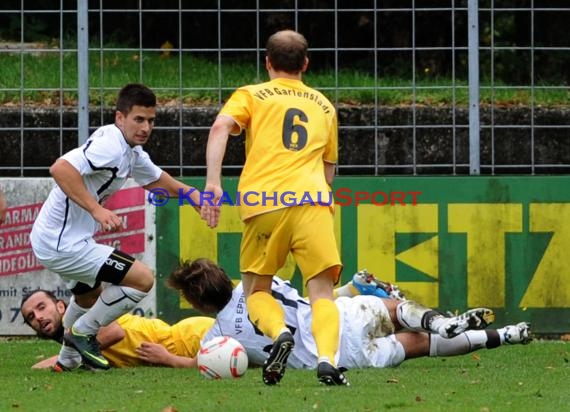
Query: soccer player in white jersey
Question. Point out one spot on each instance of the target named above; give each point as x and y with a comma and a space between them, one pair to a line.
62, 235
375, 332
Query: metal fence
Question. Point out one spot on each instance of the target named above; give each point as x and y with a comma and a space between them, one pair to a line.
497, 140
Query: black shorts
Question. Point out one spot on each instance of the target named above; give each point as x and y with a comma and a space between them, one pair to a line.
113, 271
115, 267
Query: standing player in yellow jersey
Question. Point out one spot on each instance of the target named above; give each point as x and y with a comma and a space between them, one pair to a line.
291, 152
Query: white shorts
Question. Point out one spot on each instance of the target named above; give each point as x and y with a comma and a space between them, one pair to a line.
368, 339
78, 266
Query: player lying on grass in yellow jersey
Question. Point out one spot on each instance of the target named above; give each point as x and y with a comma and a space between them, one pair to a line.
125, 342
137, 341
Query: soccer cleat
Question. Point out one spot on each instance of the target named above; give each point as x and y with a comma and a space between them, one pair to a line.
274, 366
331, 376
88, 347
367, 284
519, 333
473, 319
59, 368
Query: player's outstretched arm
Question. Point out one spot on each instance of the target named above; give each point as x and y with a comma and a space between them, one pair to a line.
109, 335
215, 151
176, 188
46, 363
158, 355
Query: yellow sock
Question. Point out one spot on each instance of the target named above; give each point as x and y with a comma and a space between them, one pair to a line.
266, 314
325, 328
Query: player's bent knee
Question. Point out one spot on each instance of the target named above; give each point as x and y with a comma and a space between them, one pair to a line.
139, 277
147, 281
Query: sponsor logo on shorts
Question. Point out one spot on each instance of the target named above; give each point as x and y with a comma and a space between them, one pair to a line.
116, 264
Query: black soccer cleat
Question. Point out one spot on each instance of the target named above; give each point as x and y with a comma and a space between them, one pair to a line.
275, 365
331, 376
88, 347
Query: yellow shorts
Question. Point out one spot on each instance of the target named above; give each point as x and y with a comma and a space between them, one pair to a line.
305, 231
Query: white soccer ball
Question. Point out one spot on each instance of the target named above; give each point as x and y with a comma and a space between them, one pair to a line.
222, 357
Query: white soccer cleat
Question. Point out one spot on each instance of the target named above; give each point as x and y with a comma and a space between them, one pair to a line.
367, 284
473, 319
519, 333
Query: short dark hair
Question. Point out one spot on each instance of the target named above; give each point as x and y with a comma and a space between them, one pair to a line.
202, 283
135, 94
58, 336
287, 50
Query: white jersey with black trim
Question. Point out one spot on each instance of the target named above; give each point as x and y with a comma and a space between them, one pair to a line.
105, 162
233, 321
364, 326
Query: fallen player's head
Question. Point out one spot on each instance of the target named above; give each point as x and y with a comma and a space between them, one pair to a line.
43, 312
205, 285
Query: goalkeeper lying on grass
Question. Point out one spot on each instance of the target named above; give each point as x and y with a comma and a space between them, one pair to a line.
379, 329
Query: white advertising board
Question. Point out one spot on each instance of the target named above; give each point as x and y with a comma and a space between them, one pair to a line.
21, 273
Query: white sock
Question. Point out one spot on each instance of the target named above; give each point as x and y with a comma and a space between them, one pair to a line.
68, 356
419, 318
324, 359
346, 290
113, 302
501, 333
463, 343
72, 313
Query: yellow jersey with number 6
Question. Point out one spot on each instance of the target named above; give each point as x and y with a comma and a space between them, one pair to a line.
291, 129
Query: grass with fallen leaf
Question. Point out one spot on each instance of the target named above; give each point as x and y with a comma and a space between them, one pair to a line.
530, 378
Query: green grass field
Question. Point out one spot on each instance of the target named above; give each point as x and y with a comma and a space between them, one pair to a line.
527, 378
